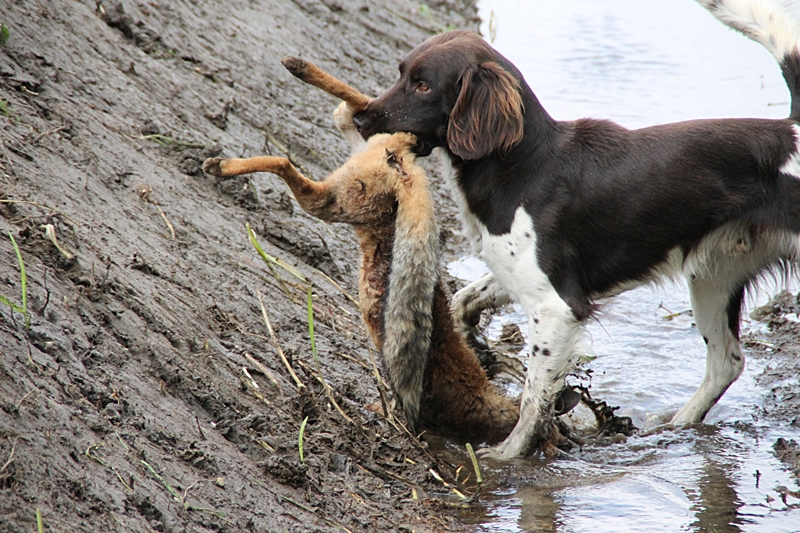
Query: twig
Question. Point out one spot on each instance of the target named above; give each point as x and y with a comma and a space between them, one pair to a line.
19, 404
375, 367
185, 492
53, 209
264, 370
167, 222
252, 386
326, 387
10, 456
441, 480
315, 513
47, 293
48, 132
341, 289
199, 428
103, 463
163, 140
310, 309
165, 483
144, 191
277, 346
362, 364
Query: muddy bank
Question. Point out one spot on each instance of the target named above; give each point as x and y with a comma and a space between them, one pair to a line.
779, 346
145, 395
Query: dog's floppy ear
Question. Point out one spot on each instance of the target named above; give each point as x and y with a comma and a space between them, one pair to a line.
487, 116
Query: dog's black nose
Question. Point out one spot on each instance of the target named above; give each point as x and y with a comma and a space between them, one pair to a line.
360, 120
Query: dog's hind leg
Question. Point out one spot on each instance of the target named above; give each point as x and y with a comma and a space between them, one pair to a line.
716, 303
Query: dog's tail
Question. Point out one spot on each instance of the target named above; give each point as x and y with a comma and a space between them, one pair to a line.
771, 24
408, 309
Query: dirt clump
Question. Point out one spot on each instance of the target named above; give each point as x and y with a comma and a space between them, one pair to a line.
146, 395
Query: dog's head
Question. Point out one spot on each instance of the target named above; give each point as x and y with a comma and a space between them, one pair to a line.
454, 92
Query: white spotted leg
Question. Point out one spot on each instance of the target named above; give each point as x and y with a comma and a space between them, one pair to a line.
716, 305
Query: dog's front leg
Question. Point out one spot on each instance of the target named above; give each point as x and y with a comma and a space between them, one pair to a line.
556, 340
343, 117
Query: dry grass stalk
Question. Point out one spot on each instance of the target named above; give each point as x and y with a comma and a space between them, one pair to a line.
264, 370
277, 346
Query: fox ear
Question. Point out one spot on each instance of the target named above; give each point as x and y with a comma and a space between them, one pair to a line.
487, 116
394, 161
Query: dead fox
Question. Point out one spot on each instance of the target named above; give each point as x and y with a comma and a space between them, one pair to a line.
384, 195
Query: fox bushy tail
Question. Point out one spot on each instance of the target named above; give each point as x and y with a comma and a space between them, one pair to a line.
408, 310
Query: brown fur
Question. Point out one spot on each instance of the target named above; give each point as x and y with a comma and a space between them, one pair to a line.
377, 191
487, 116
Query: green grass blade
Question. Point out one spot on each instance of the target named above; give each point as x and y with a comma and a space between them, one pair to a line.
273, 260
39, 522
11, 304
24, 279
164, 482
475, 465
300, 438
311, 325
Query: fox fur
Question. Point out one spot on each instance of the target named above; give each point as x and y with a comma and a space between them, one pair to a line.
384, 195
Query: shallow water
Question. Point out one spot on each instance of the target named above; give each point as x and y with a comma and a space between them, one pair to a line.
642, 63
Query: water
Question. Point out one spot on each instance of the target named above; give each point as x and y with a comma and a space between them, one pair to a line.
641, 63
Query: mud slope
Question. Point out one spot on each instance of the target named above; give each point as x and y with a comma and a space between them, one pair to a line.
124, 406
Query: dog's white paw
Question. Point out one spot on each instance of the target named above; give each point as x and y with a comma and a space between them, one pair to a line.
505, 451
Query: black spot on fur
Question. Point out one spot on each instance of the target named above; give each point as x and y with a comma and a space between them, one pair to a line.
535, 348
735, 309
705, 340
546, 352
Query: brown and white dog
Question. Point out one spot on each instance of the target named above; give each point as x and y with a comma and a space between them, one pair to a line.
565, 213
384, 195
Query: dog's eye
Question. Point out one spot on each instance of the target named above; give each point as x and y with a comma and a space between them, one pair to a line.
422, 87
363, 186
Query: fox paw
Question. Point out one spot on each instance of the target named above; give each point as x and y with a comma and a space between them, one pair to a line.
212, 166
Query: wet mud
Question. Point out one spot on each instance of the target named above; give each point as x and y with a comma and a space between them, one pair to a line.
146, 394
779, 346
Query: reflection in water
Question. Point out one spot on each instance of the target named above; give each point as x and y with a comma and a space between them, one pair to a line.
716, 504
642, 63
541, 509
